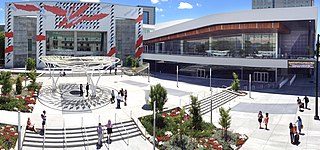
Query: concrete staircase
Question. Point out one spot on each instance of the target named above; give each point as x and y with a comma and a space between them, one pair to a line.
218, 100
81, 137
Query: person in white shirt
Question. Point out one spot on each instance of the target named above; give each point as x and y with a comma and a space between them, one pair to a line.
119, 99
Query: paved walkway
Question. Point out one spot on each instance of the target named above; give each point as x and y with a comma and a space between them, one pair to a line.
242, 121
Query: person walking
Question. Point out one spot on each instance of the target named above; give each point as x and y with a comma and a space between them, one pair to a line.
266, 120
291, 133
299, 103
87, 89
100, 134
295, 135
306, 100
112, 97
122, 92
81, 90
299, 122
109, 130
125, 97
44, 119
260, 117
119, 99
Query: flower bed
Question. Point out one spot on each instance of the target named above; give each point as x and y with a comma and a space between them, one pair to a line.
8, 136
208, 138
19, 102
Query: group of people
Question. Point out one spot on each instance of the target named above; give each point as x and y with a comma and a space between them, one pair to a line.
121, 97
31, 126
301, 104
265, 120
87, 90
101, 133
294, 133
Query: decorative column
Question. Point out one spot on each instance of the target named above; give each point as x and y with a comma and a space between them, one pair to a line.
41, 38
139, 37
8, 37
111, 37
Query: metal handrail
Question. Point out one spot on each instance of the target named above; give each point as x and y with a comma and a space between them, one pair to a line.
65, 135
44, 136
125, 130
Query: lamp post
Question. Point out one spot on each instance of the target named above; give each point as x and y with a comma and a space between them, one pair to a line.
154, 125
210, 81
177, 76
316, 116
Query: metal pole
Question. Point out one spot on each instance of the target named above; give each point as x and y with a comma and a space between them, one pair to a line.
249, 85
154, 125
316, 117
177, 76
210, 81
19, 131
148, 72
211, 105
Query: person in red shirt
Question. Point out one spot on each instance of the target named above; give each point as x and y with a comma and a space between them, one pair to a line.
266, 120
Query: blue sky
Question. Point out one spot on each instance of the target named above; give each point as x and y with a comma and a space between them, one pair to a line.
168, 10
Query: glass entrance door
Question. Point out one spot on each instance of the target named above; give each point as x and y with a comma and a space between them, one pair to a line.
201, 73
261, 76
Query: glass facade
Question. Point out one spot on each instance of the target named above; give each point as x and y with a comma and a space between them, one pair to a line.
249, 45
60, 41
89, 41
145, 17
65, 41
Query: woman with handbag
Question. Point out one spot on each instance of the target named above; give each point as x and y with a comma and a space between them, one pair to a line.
299, 122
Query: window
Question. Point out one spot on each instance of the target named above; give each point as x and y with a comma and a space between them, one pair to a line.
29, 44
145, 17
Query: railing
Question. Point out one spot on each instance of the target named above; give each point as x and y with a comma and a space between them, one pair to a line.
283, 83
124, 129
139, 125
292, 79
44, 137
86, 141
65, 135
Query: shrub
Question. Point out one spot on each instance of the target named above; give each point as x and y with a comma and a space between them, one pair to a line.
19, 85
225, 120
235, 85
178, 143
135, 62
158, 94
6, 82
33, 76
129, 60
31, 64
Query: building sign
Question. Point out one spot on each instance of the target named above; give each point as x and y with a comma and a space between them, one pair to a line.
300, 64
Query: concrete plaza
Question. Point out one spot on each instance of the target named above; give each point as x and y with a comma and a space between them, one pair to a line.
281, 108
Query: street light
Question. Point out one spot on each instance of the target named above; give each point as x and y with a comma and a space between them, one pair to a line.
316, 116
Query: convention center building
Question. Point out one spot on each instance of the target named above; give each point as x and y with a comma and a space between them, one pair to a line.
267, 43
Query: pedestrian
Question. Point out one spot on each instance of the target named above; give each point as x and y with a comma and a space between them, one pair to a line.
87, 89
125, 97
299, 122
266, 120
122, 92
291, 133
100, 134
112, 97
299, 103
296, 135
109, 130
306, 100
30, 126
81, 90
260, 117
119, 99
115, 71
44, 119
110, 69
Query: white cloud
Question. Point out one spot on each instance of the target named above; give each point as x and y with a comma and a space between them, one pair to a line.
93, 1
199, 5
162, 15
154, 1
185, 5
159, 9
164, 0
1, 9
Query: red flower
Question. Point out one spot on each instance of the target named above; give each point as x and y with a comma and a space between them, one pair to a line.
167, 138
164, 115
159, 138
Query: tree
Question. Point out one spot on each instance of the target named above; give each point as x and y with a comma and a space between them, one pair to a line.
129, 60
225, 120
236, 83
135, 62
158, 94
195, 113
6, 82
19, 85
2, 38
31, 64
33, 76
